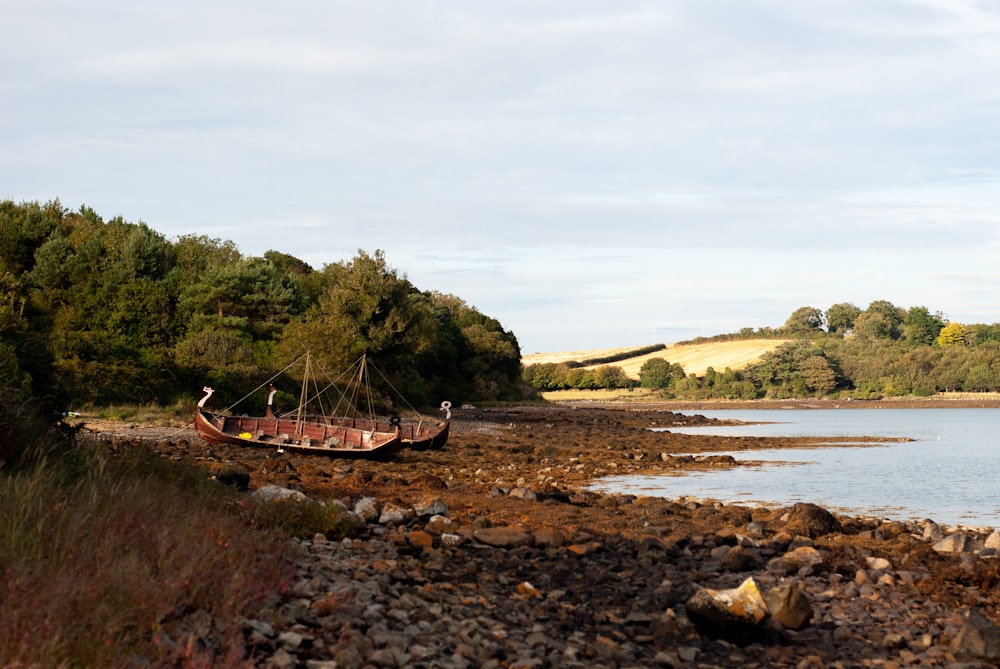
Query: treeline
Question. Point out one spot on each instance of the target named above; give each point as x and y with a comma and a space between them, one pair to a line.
881, 351
99, 312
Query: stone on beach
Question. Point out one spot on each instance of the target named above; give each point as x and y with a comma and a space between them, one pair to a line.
812, 520
732, 614
978, 639
789, 606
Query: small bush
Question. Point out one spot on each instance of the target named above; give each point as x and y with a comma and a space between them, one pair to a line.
301, 518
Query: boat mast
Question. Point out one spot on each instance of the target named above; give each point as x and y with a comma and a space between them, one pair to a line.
302, 399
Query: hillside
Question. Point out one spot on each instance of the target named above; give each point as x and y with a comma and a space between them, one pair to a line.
694, 358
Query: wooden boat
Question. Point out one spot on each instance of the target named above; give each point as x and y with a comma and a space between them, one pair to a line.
417, 431
300, 433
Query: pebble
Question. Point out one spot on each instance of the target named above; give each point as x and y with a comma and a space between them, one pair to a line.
404, 595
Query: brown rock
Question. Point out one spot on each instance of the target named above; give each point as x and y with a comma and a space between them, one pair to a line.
420, 539
789, 606
978, 639
549, 537
741, 559
812, 520
503, 537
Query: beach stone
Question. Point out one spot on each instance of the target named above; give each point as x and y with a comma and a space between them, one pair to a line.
878, 563
978, 638
739, 559
956, 543
420, 539
282, 659
732, 615
451, 539
789, 606
368, 509
441, 525
274, 493
932, 531
794, 560
430, 506
993, 540
502, 537
394, 514
549, 537
812, 520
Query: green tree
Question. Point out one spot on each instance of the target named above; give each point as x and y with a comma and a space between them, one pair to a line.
841, 316
818, 375
872, 326
250, 295
658, 373
804, 321
921, 327
888, 315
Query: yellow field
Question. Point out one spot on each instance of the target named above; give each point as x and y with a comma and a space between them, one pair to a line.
694, 358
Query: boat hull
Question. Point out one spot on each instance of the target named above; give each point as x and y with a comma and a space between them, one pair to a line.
287, 434
418, 435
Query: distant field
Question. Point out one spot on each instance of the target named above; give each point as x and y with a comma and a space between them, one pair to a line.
694, 358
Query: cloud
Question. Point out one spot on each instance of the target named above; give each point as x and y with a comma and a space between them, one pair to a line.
580, 170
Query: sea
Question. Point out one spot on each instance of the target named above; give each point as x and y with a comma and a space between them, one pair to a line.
948, 473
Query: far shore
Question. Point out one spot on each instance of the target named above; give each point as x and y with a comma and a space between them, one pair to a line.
648, 399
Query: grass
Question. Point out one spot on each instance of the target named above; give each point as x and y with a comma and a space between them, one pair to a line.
103, 558
148, 414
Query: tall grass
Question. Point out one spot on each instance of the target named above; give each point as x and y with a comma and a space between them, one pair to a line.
178, 413
101, 560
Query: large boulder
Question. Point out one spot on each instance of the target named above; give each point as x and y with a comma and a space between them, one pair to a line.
812, 521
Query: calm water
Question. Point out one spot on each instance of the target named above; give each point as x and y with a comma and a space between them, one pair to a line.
950, 473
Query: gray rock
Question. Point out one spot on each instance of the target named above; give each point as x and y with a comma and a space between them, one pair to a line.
368, 509
978, 638
393, 514
956, 543
430, 506
932, 531
273, 493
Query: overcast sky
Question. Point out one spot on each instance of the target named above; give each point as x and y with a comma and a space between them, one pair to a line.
592, 174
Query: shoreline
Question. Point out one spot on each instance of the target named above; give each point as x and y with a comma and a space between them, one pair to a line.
524, 567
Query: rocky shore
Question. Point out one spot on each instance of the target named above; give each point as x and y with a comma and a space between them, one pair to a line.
493, 553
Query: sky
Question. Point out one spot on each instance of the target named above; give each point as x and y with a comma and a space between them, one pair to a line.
591, 174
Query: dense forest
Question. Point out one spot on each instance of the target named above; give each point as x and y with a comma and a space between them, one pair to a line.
881, 351
96, 312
